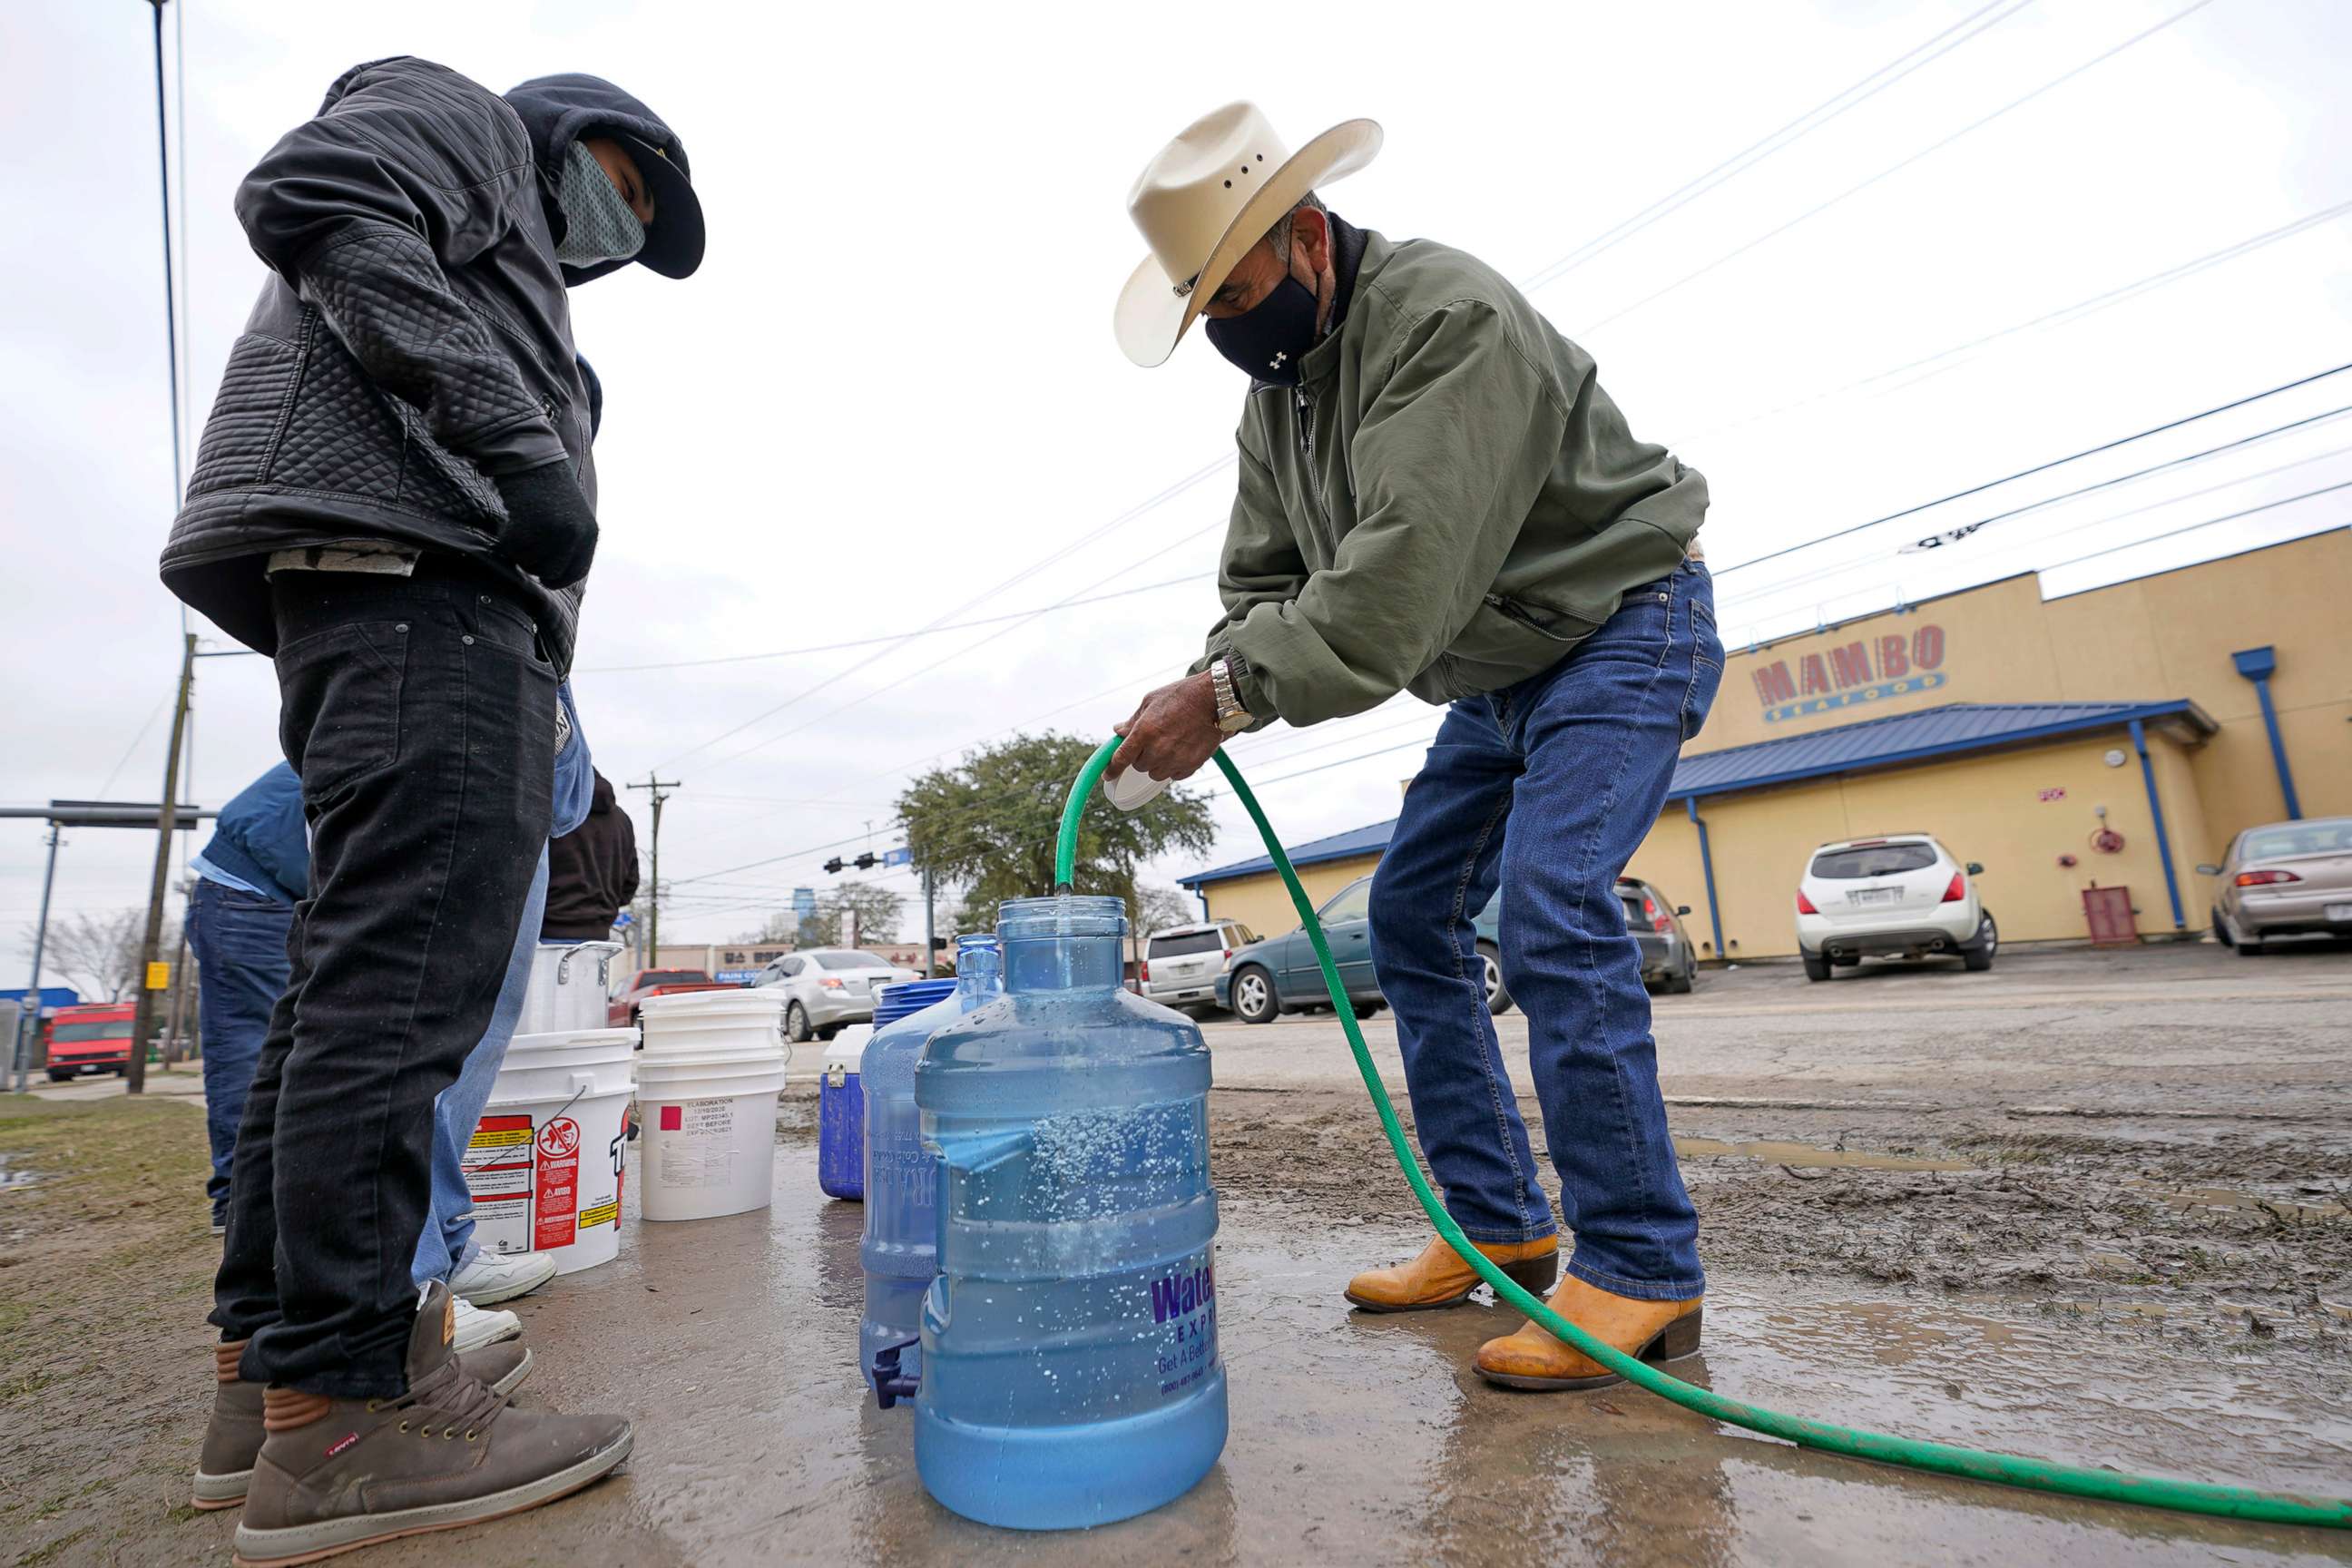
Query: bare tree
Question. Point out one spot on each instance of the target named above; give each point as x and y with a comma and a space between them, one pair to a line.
100, 953
1156, 908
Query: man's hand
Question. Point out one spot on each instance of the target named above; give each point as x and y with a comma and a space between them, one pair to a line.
1172, 732
551, 531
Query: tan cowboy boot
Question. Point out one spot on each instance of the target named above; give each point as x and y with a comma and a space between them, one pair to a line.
1650, 1331
232, 1436
1440, 1278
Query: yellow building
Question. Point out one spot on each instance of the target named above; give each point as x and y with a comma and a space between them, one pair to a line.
2116, 737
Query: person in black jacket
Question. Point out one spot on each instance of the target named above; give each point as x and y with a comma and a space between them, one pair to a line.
393, 497
592, 873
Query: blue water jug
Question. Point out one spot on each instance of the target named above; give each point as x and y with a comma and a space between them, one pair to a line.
1070, 1369
899, 1252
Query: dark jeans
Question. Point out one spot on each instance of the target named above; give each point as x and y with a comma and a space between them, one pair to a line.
1547, 788
239, 941
421, 717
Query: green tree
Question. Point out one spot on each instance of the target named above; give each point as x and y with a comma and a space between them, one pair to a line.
987, 825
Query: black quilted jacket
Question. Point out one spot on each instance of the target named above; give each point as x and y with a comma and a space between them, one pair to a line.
413, 340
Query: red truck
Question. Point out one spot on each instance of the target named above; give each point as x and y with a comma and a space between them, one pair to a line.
93, 1037
621, 1012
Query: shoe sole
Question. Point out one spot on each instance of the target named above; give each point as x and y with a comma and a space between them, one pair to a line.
1678, 1341
511, 1332
311, 1543
214, 1493
504, 1292
1536, 1274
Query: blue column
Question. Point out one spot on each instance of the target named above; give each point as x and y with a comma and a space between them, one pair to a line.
1706, 870
2156, 809
2257, 665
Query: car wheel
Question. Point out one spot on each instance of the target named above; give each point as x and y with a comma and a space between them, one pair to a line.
1816, 966
796, 1024
1254, 999
1679, 982
65, 1077
1367, 1009
2221, 931
1498, 995
1978, 956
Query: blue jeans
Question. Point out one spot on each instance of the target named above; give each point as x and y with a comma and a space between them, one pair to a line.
1547, 788
446, 1243
239, 941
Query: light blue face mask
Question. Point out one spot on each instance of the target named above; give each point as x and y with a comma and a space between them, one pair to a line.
597, 224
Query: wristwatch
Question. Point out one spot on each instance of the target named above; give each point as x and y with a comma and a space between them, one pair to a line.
1231, 717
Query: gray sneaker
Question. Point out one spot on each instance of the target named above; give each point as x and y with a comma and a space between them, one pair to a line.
334, 1474
234, 1436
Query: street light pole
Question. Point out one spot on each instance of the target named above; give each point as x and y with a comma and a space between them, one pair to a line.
656, 787
29, 1019
166, 821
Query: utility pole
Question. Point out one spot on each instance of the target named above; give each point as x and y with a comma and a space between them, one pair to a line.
167, 820
29, 1020
656, 786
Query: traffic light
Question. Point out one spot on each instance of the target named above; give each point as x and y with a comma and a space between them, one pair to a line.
865, 862
833, 863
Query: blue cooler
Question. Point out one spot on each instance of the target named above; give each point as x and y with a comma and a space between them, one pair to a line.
841, 1097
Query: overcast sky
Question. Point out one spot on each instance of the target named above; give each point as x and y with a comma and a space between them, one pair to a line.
891, 393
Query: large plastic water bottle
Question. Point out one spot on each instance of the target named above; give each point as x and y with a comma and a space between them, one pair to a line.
1070, 1369
900, 1248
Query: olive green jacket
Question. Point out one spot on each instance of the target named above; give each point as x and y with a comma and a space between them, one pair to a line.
1447, 503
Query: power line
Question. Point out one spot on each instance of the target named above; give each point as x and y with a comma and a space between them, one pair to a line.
2209, 522
932, 630
2037, 468
1804, 579
1895, 168
1788, 135
2064, 316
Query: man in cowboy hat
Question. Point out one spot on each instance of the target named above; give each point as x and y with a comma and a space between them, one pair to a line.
1437, 497
396, 499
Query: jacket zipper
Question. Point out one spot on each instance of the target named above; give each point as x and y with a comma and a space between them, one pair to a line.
1319, 512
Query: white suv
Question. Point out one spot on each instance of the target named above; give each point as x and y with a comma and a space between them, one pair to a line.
1900, 895
1180, 963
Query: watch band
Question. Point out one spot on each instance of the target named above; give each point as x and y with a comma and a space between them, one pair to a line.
1231, 717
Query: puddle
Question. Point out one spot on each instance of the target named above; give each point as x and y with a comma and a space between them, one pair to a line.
2283, 1210
1805, 1155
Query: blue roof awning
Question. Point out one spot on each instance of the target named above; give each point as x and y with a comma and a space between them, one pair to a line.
1949, 731
1952, 730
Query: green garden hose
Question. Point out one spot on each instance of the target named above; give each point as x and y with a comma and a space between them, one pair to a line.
2008, 1469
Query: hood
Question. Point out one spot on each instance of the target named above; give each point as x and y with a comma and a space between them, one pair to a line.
602, 800
557, 110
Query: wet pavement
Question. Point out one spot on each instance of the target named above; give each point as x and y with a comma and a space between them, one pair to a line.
732, 1341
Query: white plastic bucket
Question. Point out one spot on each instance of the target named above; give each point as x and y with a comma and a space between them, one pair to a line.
707, 1129
697, 1022
544, 1163
571, 986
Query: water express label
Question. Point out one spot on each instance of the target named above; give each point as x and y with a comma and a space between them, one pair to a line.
1185, 1303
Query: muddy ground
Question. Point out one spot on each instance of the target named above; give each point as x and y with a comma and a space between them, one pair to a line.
2077, 1214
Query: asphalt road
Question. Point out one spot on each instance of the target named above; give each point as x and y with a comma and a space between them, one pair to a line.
2186, 1030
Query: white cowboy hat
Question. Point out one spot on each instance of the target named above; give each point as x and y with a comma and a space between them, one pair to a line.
1204, 200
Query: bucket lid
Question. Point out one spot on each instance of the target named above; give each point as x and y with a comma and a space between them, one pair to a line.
575, 1039
844, 1052
893, 1003
693, 1004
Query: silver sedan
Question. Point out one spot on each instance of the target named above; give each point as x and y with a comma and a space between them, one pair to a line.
2288, 878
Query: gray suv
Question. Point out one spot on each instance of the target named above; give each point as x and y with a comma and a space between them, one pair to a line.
1181, 964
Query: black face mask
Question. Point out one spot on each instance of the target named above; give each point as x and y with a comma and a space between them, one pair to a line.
1270, 339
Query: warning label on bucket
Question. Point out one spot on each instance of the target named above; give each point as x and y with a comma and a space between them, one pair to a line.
497, 1172
556, 1190
702, 1152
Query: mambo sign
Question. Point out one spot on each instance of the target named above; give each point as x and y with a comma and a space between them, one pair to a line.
1863, 670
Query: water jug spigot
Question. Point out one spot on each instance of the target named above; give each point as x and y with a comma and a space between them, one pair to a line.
890, 1383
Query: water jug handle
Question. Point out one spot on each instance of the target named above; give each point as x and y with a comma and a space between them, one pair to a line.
973, 1155
890, 1383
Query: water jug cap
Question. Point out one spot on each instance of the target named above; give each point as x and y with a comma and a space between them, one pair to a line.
1133, 790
